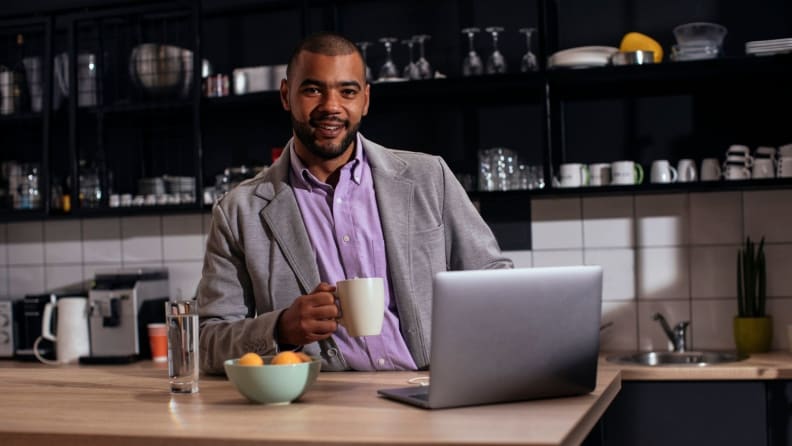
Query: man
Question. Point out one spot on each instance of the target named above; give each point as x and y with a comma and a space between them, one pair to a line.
335, 205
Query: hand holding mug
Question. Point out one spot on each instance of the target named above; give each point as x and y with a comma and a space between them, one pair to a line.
310, 318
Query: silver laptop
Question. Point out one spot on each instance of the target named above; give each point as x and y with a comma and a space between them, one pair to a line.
511, 335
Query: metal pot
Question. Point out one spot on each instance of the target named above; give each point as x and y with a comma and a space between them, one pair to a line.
161, 70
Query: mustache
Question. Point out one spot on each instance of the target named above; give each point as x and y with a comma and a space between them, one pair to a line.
314, 122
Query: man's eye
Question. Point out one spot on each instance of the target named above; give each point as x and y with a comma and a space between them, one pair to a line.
311, 90
349, 92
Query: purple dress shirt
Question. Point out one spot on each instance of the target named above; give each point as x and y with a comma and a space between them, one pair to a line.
344, 226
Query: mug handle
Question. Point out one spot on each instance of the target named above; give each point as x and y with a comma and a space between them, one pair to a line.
584, 173
46, 333
674, 174
639, 170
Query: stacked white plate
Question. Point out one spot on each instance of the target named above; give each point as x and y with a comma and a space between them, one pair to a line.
768, 47
584, 56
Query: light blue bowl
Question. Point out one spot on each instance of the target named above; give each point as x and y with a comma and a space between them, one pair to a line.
272, 384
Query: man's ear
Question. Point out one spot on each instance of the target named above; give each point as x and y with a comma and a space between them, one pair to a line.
367, 94
284, 95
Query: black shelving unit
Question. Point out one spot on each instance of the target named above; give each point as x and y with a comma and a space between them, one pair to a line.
552, 114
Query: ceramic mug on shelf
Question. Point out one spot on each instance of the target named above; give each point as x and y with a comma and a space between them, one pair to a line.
626, 172
663, 172
785, 167
710, 169
686, 168
736, 171
763, 168
574, 175
599, 174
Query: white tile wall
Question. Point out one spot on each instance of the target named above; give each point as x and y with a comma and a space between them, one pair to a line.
141, 240
3, 245
768, 214
670, 253
60, 278
608, 222
556, 224
662, 220
183, 237
63, 240
102, 240
716, 218
25, 243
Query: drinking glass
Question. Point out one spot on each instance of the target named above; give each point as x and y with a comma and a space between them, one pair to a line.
411, 69
363, 49
388, 70
182, 320
528, 59
496, 63
472, 65
424, 68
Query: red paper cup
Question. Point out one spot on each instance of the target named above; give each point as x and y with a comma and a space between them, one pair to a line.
158, 338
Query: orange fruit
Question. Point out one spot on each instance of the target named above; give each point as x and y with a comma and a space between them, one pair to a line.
250, 359
287, 357
304, 357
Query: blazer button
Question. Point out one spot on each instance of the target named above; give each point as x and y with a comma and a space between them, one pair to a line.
332, 352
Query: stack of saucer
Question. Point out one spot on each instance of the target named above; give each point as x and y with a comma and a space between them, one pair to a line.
768, 47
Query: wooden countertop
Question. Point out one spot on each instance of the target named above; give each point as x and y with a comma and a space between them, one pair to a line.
761, 366
130, 405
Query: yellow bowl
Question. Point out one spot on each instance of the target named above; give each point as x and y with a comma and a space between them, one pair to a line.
272, 384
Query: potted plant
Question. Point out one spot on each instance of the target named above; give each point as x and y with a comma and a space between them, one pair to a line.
753, 328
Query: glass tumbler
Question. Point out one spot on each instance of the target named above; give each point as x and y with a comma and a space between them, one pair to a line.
182, 320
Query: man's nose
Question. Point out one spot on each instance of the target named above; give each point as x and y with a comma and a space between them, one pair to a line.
330, 101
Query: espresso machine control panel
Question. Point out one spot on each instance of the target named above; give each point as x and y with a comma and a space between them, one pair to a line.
6, 329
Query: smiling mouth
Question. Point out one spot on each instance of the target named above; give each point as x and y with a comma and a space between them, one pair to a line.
328, 129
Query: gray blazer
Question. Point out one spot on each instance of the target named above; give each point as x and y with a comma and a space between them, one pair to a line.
259, 257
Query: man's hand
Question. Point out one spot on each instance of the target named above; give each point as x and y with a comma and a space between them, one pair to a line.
310, 318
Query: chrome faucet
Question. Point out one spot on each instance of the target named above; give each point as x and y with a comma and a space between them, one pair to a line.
677, 336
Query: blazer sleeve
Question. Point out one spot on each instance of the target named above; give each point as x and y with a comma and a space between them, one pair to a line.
228, 326
470, 243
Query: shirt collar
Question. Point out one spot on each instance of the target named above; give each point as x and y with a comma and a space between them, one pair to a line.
306, 179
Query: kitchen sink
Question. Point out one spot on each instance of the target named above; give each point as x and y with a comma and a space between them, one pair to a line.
691, 358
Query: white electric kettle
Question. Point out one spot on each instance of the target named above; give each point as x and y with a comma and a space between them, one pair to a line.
72, 340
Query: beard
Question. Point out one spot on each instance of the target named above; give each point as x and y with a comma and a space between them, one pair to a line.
304, 132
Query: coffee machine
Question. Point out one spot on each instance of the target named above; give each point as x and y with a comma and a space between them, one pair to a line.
121, 304
27, 315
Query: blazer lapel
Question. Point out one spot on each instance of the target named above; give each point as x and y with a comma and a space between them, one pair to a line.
282, 217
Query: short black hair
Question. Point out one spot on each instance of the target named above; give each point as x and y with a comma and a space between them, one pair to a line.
326, 43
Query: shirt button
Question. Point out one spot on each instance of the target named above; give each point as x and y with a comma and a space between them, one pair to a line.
381, 361
338, 200
345, 239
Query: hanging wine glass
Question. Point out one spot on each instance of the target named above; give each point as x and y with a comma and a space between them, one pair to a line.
388, 70
471, 65
528, 59
363, 47
424, 68
496, 63
411, 69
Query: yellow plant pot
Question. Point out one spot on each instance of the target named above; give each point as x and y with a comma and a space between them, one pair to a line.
753, 334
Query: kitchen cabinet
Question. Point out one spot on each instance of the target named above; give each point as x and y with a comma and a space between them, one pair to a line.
699, 412
671, 110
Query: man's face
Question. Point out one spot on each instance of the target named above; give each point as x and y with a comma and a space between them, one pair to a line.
327, 96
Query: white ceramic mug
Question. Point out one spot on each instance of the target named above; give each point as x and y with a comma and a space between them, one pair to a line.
763, 168
738, 149
599, 174
362, 303
686, 168
663, 172
71, 341
736, 172
785, 167
765, 152
574, 175
626, 172
785, 150
710, 169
